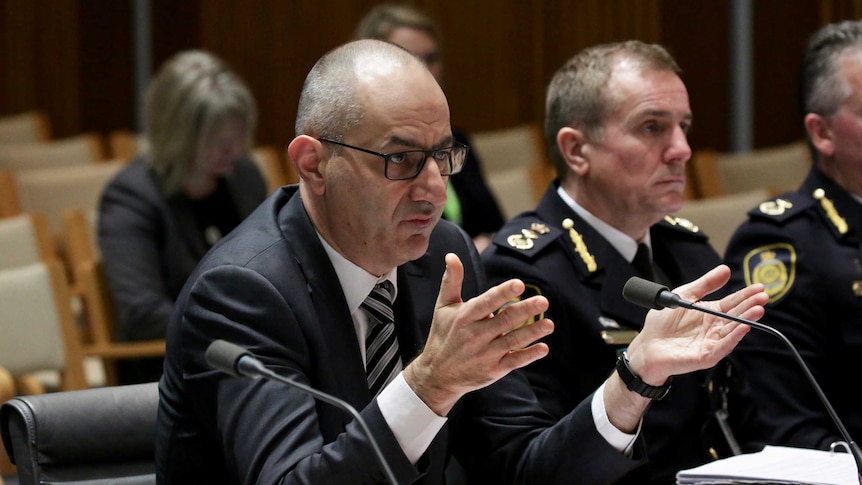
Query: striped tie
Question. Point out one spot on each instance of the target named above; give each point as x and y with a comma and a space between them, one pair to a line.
382, 362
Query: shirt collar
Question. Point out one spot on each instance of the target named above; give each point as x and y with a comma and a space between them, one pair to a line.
624, 244
355, 281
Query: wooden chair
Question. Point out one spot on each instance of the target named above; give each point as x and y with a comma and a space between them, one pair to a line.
39, 330
271, 166
7, 392
125, 144
99, 323
718, 217
50, 191
25, 239
27, 127
81, 149
515, 165
776, 168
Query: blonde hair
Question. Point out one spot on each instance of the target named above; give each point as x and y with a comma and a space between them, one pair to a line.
381, 20
193, 94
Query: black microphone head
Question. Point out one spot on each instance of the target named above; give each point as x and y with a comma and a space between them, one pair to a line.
643, 293
224, 356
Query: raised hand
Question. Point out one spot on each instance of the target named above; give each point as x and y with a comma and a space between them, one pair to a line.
470, 346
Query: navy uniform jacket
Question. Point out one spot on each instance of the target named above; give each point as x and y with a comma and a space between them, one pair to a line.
150, 245
557, 254
806, 248
270, 287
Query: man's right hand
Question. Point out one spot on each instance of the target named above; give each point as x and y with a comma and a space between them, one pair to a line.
469, 345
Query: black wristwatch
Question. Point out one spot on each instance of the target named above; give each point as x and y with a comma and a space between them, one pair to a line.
634, 383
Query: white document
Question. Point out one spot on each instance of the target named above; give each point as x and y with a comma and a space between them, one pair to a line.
776, 465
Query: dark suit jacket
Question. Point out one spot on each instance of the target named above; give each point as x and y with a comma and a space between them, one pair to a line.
585, 305
149, 245
270, 287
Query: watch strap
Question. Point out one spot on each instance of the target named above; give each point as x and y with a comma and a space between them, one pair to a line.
634, 383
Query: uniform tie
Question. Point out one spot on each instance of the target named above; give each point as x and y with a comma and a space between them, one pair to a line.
643, 263
382, 361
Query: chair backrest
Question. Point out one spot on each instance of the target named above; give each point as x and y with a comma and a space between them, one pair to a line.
25, 239
98, 320
27, 127
52, 191
125, 144
75, 150
515, 165
776, 168
718, 217
271, 166
38, 329
94, 436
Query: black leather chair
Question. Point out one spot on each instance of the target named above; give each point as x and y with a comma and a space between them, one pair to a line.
95, 436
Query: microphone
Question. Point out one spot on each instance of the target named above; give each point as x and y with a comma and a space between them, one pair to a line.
239, 362
648, 294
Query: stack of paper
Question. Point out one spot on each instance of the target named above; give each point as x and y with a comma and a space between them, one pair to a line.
776, 465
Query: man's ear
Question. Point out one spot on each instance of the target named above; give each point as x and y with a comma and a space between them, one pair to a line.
308, 159
821, 134
571, 143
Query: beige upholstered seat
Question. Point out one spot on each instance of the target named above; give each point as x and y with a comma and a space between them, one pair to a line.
39, 331
272, 167
776, 168
75, 150
718, 217
515, 165
50, 191
27, 127
25, 239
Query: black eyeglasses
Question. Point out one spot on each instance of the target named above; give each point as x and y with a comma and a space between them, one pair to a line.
407, 165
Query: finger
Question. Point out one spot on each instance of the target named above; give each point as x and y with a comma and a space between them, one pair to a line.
706, 284
519, 313
523, 357
453, 278
523, 336
742, 300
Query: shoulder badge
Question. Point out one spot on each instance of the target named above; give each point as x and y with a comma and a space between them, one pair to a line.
524, 240
682, 222
774, 266
838, 221
775, 207
580, 245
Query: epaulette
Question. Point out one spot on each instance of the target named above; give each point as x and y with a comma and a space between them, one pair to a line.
527, 236
682, 225
782, 208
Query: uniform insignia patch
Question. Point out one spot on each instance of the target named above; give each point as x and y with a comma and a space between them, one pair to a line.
774, 266
682, 222
524, 239
580, 245
830, 210
775, 207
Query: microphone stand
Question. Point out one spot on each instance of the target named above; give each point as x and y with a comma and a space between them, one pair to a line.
251, 367
851, 445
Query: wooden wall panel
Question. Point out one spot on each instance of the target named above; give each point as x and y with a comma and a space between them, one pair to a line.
72, 58
40, 66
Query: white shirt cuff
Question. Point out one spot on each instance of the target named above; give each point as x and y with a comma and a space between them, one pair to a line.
621, 441
412, 422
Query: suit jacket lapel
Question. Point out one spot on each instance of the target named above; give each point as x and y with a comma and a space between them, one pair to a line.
327, 298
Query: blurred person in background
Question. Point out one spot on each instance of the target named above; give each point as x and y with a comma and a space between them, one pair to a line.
470, 202
193, 185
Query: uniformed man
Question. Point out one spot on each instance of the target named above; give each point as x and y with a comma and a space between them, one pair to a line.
617, 116
805, 247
